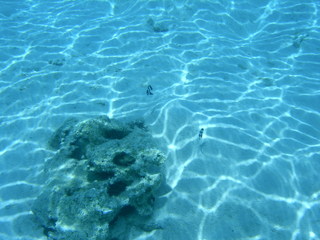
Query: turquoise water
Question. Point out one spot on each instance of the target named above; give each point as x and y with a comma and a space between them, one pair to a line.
247, 72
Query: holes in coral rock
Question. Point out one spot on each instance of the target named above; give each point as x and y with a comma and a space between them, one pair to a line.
99, 176
123, 159
126, 210
115, 133
76, 153
117, 188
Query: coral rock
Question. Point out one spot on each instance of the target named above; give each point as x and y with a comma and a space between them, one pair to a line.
104, 172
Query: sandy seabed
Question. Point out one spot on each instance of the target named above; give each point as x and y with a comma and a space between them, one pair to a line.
246, 72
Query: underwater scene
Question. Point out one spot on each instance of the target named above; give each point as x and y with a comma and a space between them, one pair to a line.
159, 120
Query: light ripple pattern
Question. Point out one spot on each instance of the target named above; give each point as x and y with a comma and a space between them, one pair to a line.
247, 72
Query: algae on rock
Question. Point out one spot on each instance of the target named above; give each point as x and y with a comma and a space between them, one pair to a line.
101, 182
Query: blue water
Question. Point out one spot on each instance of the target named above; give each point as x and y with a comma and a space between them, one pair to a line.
246, 71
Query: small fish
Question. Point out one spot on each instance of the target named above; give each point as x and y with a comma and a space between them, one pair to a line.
201, 133
149, 89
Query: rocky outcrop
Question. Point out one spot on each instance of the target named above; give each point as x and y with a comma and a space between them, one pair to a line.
101, 181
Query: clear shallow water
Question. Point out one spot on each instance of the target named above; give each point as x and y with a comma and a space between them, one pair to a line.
246, 71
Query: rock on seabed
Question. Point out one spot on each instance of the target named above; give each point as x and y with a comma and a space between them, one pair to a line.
101, 182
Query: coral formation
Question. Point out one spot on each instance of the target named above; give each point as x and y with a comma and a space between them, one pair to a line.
101, 181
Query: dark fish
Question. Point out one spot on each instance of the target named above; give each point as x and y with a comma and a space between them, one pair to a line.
201, 133
149, 90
